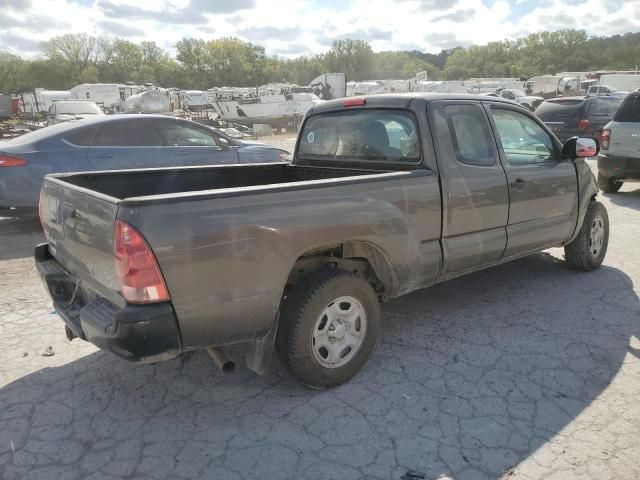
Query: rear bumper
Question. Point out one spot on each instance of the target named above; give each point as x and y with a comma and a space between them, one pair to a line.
146, 333
620, 168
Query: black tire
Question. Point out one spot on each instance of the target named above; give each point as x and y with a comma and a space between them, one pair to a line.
579, 254
301, 312
608, 185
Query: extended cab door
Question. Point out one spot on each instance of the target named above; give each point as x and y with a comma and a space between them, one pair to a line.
543, 189
474, 187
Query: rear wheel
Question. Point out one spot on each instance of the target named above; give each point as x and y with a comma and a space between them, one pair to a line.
329, 327
587, 251
608, 185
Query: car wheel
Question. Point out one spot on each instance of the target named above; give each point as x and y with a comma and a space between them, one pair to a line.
587, 251
608, 185
328, 327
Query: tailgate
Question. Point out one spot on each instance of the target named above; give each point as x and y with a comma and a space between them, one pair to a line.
625, 140
79, 226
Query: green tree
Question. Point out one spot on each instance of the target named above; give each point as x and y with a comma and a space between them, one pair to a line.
78, 49
353, 57
13, 71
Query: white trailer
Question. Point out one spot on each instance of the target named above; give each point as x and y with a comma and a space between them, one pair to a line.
545, 86
329, 86
110, 96
627, 83
40, 100
194, 100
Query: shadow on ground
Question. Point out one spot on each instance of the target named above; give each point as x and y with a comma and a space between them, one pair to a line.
469, 378
18, 235
628, 196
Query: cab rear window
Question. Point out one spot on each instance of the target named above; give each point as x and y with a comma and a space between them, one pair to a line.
361, 135
629, 111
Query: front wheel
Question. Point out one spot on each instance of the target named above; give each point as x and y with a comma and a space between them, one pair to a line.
328, 327
608, 185
587, 251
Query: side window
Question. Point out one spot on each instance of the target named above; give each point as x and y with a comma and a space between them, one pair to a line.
470, 134
128, 133
522, 139
81, 137
177, 134
604, 106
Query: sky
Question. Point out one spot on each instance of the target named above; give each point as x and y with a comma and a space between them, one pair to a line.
289, 28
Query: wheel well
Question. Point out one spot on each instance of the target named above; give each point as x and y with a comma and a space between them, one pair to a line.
355, 257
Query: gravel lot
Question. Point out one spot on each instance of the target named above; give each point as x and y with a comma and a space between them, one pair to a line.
525, 371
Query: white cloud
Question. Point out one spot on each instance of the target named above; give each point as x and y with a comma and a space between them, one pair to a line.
291, 27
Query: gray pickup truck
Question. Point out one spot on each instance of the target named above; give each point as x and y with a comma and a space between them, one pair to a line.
384, 195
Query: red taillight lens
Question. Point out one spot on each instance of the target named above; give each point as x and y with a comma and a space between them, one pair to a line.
354, 102
137, 268
584, 124
9, 161
605, 138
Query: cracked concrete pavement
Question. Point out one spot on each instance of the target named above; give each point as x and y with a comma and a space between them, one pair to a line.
524, 371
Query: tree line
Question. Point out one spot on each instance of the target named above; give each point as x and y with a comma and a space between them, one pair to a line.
71, 59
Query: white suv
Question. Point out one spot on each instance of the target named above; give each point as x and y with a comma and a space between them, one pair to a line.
619, 159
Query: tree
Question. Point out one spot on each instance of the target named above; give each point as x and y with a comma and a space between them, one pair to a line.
192, 54
12, 73
353, 57
78, 49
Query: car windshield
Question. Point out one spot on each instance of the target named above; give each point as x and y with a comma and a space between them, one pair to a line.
518, 93
77, 108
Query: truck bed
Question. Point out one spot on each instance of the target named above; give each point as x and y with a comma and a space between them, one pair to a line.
121, 185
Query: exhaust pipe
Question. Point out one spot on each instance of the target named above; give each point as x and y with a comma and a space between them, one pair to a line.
224, 363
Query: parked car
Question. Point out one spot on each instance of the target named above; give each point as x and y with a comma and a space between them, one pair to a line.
619, 160
577, 116
529, 101
116, 142
67, 110
606, 90
385, 195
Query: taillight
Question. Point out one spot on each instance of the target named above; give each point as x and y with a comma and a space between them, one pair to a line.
9, 161
584, 124
137, 268
605, 138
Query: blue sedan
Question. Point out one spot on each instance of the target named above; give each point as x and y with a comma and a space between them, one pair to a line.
116, 142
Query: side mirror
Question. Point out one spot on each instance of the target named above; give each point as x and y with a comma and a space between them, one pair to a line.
580, 147
224, 144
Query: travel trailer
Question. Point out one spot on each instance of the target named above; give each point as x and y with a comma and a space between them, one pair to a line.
110, 96
40, 100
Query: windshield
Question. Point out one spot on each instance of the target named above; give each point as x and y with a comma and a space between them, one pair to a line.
518, 93
77, 108
361, 135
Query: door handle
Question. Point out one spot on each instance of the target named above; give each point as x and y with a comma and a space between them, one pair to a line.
518, 184
103, 155
182, 153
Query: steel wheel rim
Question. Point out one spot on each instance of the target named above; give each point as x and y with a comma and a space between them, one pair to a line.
596, 236
339, 332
